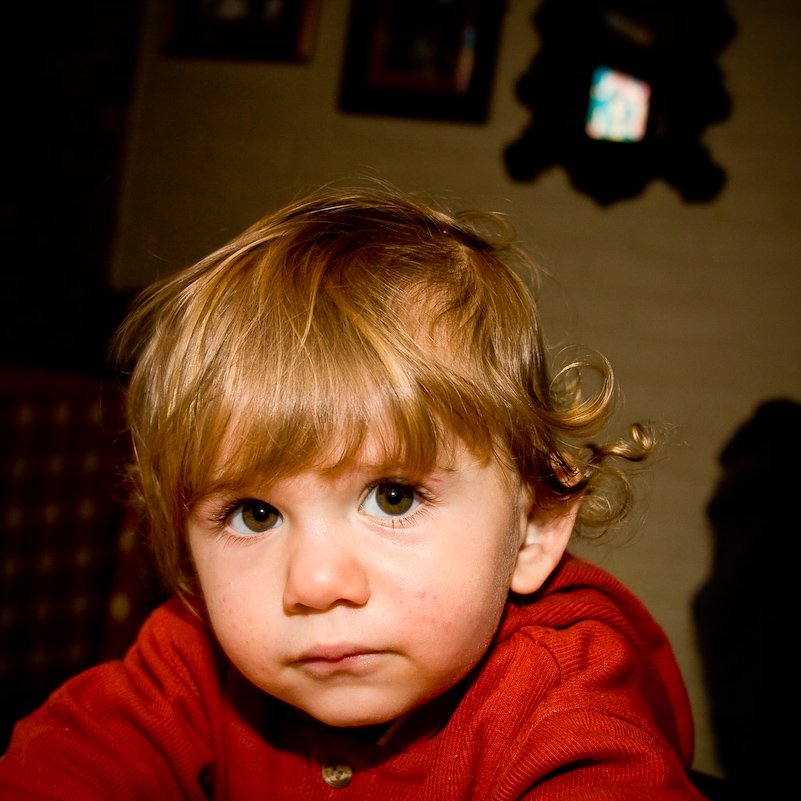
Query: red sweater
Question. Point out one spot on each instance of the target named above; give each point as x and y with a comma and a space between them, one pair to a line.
579, 697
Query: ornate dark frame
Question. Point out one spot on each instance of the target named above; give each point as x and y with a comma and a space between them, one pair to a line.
672, 45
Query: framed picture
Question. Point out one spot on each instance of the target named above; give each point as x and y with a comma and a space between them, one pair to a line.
271, 30
422, 58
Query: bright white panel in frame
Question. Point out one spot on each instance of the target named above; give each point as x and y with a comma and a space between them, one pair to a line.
618, 107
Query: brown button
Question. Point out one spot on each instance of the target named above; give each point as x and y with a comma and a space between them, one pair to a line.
337, 773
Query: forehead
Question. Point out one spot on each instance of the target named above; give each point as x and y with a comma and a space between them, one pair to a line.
378, 447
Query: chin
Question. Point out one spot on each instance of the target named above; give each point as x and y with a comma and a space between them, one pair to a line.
351, 713
352, 719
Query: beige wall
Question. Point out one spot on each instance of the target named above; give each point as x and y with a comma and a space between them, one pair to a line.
696, 306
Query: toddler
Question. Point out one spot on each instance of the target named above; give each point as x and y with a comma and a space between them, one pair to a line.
360, 482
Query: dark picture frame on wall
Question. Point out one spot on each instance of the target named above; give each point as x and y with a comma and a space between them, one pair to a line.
432, 59
268, 30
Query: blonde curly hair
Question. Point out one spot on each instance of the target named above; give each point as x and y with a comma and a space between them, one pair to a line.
348, 312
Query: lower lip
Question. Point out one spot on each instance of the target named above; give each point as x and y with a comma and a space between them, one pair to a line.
353, 664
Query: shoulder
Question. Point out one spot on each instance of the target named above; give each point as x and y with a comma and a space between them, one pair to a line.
579, 690
177, 639
580, 602
585, 643
173, 664
147, 720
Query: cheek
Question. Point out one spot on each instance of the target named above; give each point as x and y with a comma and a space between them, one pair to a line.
225, 614
450, 616
231, 582
236, 626
460, 601
235, 613
421, 604
415, 608
231, 609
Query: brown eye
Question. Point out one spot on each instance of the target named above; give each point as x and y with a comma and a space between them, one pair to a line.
255, 517
390, 499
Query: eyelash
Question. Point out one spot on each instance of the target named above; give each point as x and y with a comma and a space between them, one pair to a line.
221, 518
426, 498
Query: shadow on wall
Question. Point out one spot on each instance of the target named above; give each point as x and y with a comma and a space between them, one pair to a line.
742, 613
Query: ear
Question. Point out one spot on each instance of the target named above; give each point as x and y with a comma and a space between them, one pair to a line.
546, 534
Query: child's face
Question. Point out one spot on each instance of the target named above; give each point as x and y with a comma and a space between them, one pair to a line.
359, 595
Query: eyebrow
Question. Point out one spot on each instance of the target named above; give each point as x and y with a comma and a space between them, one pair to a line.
392, 467
253, 484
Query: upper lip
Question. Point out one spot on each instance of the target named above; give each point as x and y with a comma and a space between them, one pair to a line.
334, 652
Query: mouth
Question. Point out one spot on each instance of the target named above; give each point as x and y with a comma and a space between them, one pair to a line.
322, 661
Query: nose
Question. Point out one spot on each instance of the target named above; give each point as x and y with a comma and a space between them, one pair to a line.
323, 571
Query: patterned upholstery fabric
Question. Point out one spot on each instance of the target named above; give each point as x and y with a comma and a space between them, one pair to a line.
74, 586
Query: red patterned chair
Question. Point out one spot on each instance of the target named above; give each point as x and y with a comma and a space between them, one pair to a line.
74, 584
